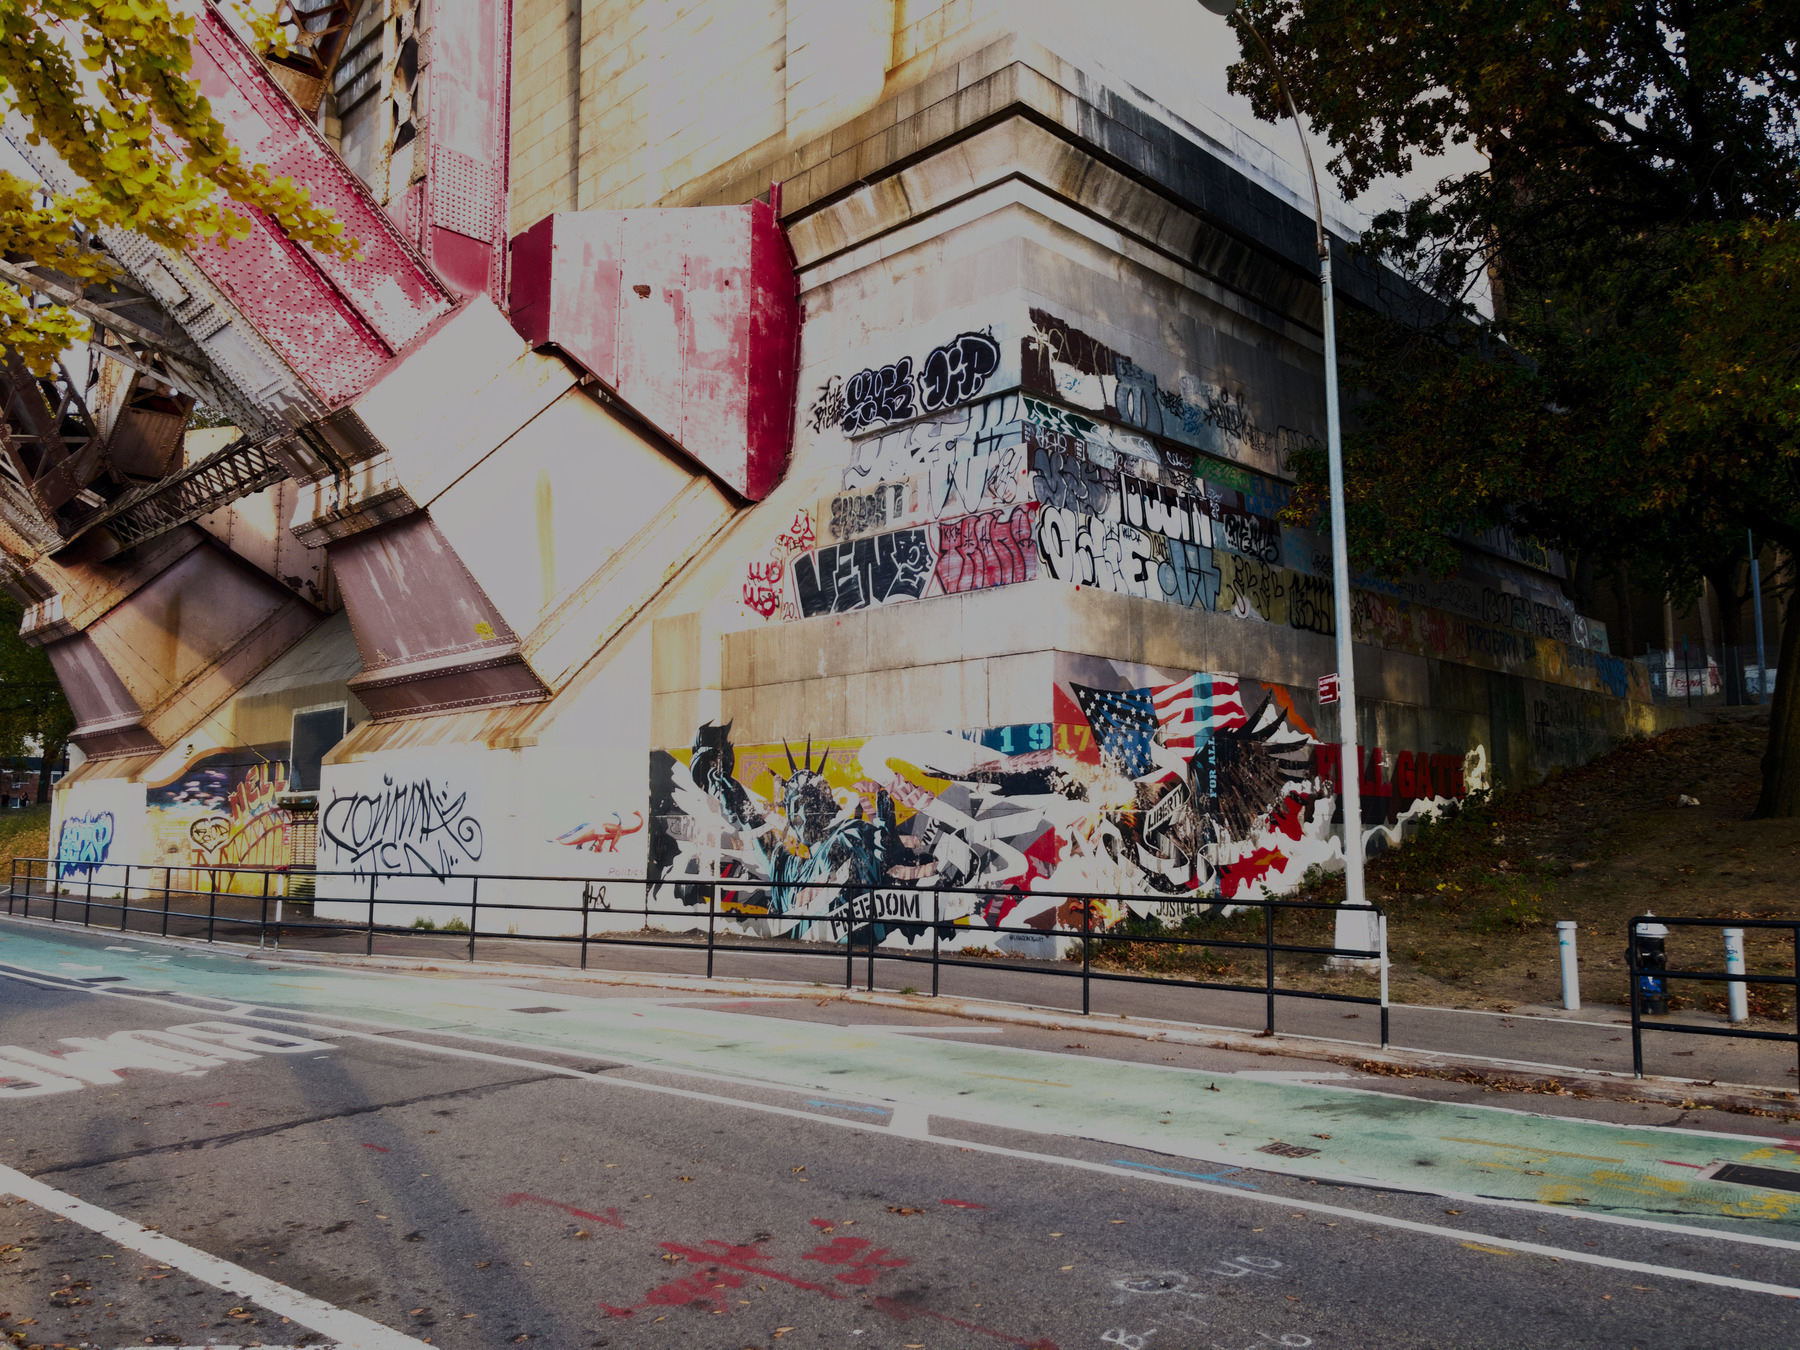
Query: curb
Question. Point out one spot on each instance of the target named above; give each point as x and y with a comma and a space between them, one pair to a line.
1491, 1073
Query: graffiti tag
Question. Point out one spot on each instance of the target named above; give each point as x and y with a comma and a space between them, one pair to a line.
881, 395
83, 843
408, 828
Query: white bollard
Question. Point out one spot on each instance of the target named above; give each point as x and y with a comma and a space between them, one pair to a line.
1736, 992
1571, 973
1357, 929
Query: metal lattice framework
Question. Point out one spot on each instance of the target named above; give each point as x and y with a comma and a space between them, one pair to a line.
49, 446
241, 468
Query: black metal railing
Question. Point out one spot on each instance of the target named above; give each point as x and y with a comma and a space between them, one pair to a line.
241, 901
1637, 973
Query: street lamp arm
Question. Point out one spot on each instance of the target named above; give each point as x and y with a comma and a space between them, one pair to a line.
1373, 933
1285, 86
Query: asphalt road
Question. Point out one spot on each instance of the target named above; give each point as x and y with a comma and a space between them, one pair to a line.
339, 1157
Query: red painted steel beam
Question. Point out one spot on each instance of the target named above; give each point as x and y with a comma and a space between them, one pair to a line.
335, 321
690, 314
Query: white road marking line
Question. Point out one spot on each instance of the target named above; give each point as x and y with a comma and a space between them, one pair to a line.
353, 1332
914, 1122
1313, 1206
924, 1031
1381, 1220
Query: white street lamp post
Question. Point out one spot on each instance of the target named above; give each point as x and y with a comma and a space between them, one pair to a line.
1353, 930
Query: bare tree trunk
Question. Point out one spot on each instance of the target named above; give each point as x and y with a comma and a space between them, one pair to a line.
1580, 587
1729, 593
1626, 643
53, 753
1781, 761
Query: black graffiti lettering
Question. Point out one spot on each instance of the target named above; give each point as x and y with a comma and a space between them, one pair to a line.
1229, 413
1188, 576
1310, 603
1260, 586
1134, 396
867, 513
1251, 535
847, 576
1072, 483
1163, 510
881, 395
864, 572
882, 906
406, 829
957, 371
816, 597
828, 407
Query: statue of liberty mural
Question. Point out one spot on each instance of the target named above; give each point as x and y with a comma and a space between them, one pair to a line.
809, 840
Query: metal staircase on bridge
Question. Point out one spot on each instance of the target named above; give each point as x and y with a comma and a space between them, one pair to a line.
105, 452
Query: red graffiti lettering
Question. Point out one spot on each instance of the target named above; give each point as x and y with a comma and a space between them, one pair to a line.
763, 599
1372, 784
985, 550
799, 534
1404, 775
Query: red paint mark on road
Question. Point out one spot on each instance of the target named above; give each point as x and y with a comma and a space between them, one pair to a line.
378, 1148
680, 1293
1672, 1163
610, 1218
900, 1312
866, 1260
723, 1264
824, 1223
745, 1258
962, 1204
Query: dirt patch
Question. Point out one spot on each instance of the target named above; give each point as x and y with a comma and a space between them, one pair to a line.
1473, 901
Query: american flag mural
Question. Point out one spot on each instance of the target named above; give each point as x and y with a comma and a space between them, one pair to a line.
1161, 727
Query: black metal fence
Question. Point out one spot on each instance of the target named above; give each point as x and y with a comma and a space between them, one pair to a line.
1697, 677
240, 903
1637, 974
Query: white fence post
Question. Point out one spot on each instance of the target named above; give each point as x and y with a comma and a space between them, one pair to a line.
1736, 992
1571, 974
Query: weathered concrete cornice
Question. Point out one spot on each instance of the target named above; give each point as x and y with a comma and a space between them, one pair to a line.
1006, 80
1019, 160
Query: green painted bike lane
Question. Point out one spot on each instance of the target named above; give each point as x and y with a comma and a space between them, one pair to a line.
1363, 1137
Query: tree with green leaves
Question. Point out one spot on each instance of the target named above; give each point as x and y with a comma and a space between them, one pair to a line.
105, 84
34, 715
1632, 390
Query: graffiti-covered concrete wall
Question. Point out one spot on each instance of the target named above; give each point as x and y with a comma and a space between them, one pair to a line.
1136, 782
1021, 616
